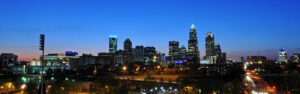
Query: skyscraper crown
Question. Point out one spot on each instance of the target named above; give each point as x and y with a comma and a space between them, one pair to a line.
113, 36
209, 34
193, 27
282, 49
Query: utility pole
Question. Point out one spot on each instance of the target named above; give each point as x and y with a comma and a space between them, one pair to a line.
42, 46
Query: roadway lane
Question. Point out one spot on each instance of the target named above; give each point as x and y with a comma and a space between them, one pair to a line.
258, 86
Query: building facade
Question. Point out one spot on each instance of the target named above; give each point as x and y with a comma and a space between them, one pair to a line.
256, 59
149, 53
182, 52
282, 56
210, 44
193, 51
128, 56
295, 58
139, 54
174, 49
113, 40
8, 60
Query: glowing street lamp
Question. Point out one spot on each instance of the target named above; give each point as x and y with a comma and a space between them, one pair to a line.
23, 86
124, 68
158, 66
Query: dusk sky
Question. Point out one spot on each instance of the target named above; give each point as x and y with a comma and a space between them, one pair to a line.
242, 27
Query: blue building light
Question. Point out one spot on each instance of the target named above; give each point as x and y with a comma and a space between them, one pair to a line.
179, 62
282, 49
71, 52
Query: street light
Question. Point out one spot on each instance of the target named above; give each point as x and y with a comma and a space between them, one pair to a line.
158, 66
124, 68
23, 86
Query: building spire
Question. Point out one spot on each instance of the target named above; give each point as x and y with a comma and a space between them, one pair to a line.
193, 27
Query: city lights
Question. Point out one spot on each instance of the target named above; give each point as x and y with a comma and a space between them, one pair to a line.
124, 68
149, 47
23, 86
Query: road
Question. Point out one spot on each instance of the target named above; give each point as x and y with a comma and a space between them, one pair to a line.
157, 78
258, 86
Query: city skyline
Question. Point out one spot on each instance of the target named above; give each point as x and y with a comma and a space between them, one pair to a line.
255, 32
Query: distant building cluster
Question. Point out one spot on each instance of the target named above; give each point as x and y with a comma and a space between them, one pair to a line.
214, 54
145, 55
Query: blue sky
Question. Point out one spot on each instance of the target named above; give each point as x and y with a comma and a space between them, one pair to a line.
242, 27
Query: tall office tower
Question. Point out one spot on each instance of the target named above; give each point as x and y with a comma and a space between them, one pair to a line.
282, 56
119, 58
139, 53
113, 39
217, 52
173, 49
128, 56
128, 46
149, 53
209, 44
193, 51
217, 49
182, 52
223, 58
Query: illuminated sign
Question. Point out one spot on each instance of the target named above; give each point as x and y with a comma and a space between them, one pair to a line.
178, 62
71, 52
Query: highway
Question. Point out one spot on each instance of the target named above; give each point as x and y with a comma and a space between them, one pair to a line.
256, 85
157, 78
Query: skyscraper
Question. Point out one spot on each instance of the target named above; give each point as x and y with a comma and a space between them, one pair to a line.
182, 52
217, 49
128, 46
209, 44
128, 56
139, 53
193, 51
113, 39
149, 53
282, 56
173, 49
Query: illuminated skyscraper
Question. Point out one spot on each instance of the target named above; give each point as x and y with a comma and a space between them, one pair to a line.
173, 49
128, 56
149, 53
282, 56
113, 39
210, 44
217, 49
210, 48
128, 46
193, 51
182, 52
